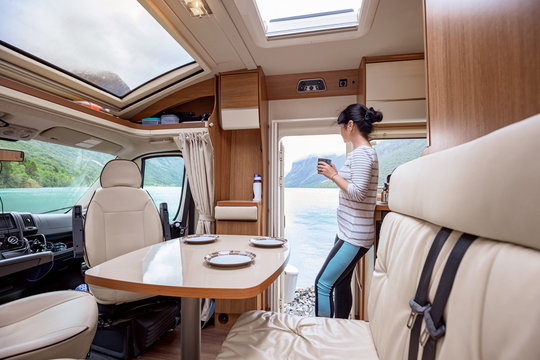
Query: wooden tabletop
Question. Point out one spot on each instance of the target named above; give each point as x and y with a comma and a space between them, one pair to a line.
175, 268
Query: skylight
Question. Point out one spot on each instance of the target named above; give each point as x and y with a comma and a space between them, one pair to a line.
116, 46
286, 17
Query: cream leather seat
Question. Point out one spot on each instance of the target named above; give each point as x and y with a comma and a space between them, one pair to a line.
58, 324
492, 310
120, 218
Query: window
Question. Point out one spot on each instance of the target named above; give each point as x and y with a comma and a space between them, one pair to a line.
116, 46
52, 177
164, 180
392, 153
282, 17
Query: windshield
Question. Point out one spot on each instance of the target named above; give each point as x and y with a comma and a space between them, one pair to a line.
51, 177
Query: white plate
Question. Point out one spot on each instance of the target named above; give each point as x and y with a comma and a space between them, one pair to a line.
200, 239
229, 258
266, 241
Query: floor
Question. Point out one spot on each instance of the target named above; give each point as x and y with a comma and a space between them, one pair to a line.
168, 347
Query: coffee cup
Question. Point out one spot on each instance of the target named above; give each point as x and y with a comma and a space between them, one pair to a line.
328, 161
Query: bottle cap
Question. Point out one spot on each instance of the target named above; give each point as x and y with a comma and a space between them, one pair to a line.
257, 177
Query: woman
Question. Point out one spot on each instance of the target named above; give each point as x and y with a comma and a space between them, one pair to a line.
357, 180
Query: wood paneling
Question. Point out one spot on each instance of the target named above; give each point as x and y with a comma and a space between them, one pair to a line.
237, 227
361, 93
263, 101
246, 160
221, 141
68, 104
198, 106
233, 309
202, 89
284, 86
237, 203
482, 67
389, 58
239, 90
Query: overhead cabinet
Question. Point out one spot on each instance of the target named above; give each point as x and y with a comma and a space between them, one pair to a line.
239, 101
397, 88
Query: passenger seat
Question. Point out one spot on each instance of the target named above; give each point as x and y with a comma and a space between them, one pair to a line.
58, 324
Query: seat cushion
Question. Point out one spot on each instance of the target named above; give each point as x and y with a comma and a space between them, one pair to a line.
266, 335
58, 324
107, 296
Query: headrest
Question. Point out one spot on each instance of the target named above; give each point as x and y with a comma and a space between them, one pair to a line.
121, 173
488, 187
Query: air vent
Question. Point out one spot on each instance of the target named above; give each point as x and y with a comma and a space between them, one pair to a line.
311, 85
28, 220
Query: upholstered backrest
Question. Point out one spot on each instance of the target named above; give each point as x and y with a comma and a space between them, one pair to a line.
488, 187
121, 217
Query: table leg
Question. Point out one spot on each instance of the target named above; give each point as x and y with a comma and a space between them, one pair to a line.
191, 328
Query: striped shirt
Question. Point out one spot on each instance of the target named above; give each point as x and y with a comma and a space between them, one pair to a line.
356, 206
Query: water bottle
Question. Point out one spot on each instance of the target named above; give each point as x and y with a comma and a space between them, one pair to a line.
257, 187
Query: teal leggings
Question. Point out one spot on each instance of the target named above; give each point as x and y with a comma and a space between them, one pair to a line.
335, 277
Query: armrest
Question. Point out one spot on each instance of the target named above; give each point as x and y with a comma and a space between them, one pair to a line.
78, 231
164, 215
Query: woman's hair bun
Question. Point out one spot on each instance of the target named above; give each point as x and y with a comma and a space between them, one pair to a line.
361, 116
374, 116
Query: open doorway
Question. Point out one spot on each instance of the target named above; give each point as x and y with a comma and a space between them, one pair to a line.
310, 201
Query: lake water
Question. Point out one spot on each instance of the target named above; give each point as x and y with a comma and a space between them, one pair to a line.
310, 218
43, 199
310, 227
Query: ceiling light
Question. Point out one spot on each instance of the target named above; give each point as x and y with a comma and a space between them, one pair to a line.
197, 8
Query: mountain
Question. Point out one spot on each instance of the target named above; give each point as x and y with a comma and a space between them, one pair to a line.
106, 80
391, 154
303, 173
53, 165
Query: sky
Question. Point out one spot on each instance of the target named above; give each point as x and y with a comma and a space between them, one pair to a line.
275, 9
119, 36
299, 147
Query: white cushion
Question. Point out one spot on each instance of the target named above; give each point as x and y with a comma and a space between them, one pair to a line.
120, 172
52, 325
264, 335
488, 187
248, 213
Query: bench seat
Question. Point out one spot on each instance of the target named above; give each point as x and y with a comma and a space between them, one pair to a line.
267, 335
492, 311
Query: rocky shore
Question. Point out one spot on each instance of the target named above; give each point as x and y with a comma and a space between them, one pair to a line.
303, 303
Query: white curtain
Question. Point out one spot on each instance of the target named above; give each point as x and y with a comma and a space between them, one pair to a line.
199, 160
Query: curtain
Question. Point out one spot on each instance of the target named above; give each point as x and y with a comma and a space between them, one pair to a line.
199, 161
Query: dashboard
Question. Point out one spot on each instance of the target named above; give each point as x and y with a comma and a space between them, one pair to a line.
28, 240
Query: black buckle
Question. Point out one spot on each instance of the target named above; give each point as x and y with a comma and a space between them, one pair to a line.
416, 309
430, 329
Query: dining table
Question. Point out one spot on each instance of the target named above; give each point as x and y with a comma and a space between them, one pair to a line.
189, 268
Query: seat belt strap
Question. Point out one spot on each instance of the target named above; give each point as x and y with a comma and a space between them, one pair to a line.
419, 303
435, 327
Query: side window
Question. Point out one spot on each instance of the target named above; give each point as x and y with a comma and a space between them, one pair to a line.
394, 152
164, 180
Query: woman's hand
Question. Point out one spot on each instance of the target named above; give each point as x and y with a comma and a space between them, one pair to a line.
327, 170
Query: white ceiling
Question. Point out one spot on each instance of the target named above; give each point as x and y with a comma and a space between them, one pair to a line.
226, 40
